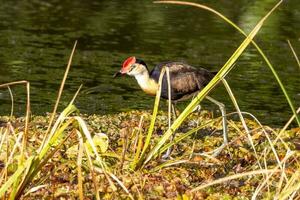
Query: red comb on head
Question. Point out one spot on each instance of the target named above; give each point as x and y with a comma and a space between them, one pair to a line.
127, 63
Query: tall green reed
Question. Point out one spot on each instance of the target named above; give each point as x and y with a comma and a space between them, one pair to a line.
268, 62
220, 75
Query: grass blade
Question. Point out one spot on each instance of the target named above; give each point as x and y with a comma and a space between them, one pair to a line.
220, 75
79, 165
153, 118
15, 177
235, 176
91, 166
60, 92
27, 113
294, 53
12, 101
253, 42
185, 135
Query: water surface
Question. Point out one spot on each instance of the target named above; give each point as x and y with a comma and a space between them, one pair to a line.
36, 39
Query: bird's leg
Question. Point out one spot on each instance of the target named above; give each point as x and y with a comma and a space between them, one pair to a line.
169, 150
224, 123
198, 107
174, 111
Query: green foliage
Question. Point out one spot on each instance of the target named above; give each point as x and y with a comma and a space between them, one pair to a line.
220, 75
275, 74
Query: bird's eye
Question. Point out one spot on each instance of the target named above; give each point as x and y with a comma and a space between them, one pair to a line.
132, 67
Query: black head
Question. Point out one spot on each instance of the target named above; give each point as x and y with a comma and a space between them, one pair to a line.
139, 61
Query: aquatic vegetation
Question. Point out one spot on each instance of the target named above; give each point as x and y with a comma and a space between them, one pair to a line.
185, 174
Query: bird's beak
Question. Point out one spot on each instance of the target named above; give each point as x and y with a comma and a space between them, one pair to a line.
117, 74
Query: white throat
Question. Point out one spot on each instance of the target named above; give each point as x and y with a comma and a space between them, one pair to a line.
146, 83
142, 79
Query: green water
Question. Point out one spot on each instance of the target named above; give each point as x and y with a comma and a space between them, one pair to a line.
36, 38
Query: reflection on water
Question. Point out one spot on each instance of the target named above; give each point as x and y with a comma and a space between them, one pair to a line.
36, 39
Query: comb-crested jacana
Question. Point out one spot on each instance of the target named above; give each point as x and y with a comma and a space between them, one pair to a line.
185, 82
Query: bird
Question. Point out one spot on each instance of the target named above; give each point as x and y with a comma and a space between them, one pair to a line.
185, 82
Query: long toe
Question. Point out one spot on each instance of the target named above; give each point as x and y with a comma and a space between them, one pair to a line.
217, 151
167, 154
213, 153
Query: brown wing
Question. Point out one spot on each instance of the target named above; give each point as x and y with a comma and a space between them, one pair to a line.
185, 79
184, 82
174, 67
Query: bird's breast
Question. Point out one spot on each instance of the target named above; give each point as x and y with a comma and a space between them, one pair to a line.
150, 91
148, 85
